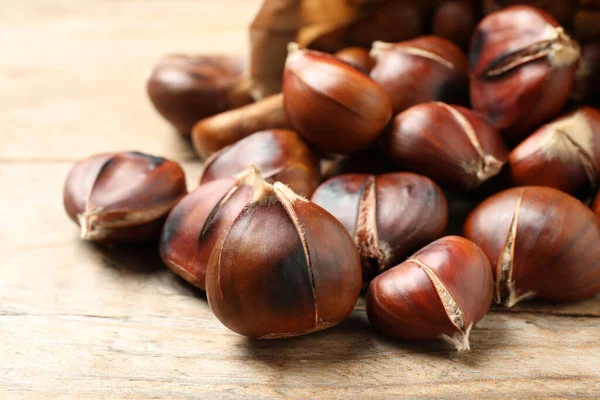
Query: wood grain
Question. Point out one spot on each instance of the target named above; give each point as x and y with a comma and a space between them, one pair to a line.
80, 320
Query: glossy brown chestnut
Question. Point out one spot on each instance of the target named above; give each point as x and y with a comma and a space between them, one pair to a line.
439, 292
522, 69
450, 144
331, 104
562, 10
214, 133
279, 154
425, 69
284, 267
186, 88
455, 21
564, 154
541, 242
587, 77
196, 223
122, 197
358, 57
389, 216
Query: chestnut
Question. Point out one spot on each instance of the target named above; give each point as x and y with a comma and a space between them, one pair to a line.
587, 77
522, 69
214, 133
455, 21
562, 10
541, 242
428, 68
450, 144
564, 154
186, 88
358, 57
279, 154
284, 267
331, 104
122, 197
439, 292
197, 222
389, 216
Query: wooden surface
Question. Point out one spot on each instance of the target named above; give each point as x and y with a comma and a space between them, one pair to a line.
79, 320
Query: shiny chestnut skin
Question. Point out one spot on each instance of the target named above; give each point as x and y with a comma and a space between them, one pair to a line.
186, 88
562, 10
331, 104
541, 242
279, 154
439, 292
214, 133
425, 69
284, 267
196, 223
564, 154
122, 197
452, 145
455, 21
522, 69
358, 57
389, 216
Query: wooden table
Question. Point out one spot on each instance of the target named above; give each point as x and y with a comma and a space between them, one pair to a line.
81, 320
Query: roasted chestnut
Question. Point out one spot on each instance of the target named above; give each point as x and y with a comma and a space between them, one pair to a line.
389, 216
541, 242
214, 133
331, 104
450, 144
284, 267
439, 292
280, 155
197, 222
122, 197
358, 57
564, 154
428, 68
186, 88
522, 69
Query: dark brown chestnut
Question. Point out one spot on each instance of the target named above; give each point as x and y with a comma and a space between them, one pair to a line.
522, 69
564, 154
331, 104
439, 292
541, 242
587, 77
450, 144
214, 133
562, 10
455, 21
358, 57
122, 197
196, 223
425, 69
186, 88
279, 154
389, 216
284, 267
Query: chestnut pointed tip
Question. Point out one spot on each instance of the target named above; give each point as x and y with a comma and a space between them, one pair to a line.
293, 48
460, 340
286, 191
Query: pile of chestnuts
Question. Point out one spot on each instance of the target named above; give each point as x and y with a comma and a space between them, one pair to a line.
430, 180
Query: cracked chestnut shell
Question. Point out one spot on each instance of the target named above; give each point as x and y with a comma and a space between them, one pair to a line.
450, 144
280, 155
522, 69
186, 88
122, 197
331, 104
389, 216
564, 154
196, 223
439, 292
425, 69
284, 267
541, 242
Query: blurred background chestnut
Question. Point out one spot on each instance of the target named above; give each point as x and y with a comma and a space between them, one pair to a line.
186, 88
279, 154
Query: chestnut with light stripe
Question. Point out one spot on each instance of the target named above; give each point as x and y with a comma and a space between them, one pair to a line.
541, 242
442, 291
450, 144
